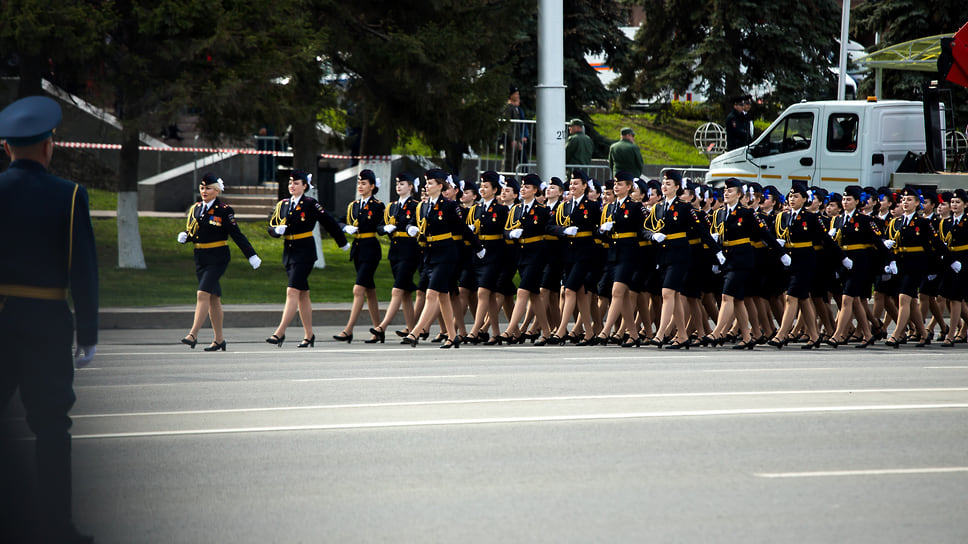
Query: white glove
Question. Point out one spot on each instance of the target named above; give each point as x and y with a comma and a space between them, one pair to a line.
182, 237
84, 354
715, 236
470, 228
889, 244
515, 234
891, 268
413, 231
832, 232
781, 241
606, 226
480, 254
715, 269
785, 259
571, 231
346, 247
389, 228
720, 257
931, 277
658, 237
848, 264
255, 261
956, 266
350, 229
280, 230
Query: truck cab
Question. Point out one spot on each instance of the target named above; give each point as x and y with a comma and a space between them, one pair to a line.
831, 144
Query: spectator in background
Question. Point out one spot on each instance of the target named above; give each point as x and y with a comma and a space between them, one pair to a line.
739, 125
516, 138
578, 146
625, 156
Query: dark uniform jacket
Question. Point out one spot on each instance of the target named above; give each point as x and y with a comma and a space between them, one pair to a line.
210, 231
861, 238
368, 218
402, 245
488, 222
442, 226
917, 241
679, 223
802, 231
299, 245
53, 253
740, 231
586, 215
737, 130
623, 239
536, 227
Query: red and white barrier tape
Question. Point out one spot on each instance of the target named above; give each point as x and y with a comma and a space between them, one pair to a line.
90, 145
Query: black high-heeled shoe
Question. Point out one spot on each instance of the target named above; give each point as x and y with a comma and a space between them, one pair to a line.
947, 343
892, 343
497, 340
425, 334
585, 342
190, 343
277, 340
380, 336
834, 343
866, 343
776, 342
678, 345
631, 343
554, 340
812, 344
924, 342
341, 337
750, 344
447, 344
707, 340
216, 346
439, 338
410, 339
542, 341
307, 342
402, 334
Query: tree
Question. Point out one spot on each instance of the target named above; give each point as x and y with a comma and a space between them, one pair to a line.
439, 69
725, 47
590, 27
899, 21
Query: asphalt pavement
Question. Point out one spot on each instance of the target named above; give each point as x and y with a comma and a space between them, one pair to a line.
388, 443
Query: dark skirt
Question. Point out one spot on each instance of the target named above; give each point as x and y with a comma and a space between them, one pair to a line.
299, 275
674, 275
208, 276
365, 270
403, 271
439, 267
736, 282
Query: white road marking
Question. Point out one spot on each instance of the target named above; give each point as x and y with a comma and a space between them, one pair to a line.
944, 367
784, 369
384, 378
537, 419
872, 472
630, 356
524, 399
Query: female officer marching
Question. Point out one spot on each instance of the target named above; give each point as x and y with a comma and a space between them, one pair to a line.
210, 223
294, 219
364, 217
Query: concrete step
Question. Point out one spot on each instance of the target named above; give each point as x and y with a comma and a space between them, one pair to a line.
255, 189
255, 210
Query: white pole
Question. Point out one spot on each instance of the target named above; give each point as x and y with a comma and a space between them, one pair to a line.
842, 67
551, 90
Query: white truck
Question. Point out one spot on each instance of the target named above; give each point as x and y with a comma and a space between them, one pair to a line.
831, 144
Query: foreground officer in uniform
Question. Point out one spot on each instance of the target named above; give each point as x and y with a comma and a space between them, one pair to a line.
36, 325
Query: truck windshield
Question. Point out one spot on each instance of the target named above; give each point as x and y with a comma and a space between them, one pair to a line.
794, 133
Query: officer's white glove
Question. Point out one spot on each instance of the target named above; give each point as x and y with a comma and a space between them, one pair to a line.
956, 266
720, 257
389, 228
350, 229
848, 264
571, 231
889, 244
785, 259
255, 261
515, 234
891, 268
280, 230
413, 231
715, 269
480, 254
346, 247
83, 355
832, 232
606, 226
931, 277
182, 237
470, 228
658, 237
781, 241
715, 236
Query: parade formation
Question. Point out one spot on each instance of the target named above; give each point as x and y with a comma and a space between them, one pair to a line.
631, 262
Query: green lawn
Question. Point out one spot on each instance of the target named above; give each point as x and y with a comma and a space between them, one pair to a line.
668, 143
170, 276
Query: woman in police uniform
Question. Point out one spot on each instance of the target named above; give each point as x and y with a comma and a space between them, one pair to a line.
210, 223
293, 220
438, 222
404, 254
487, 222
954, 233
364, 217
